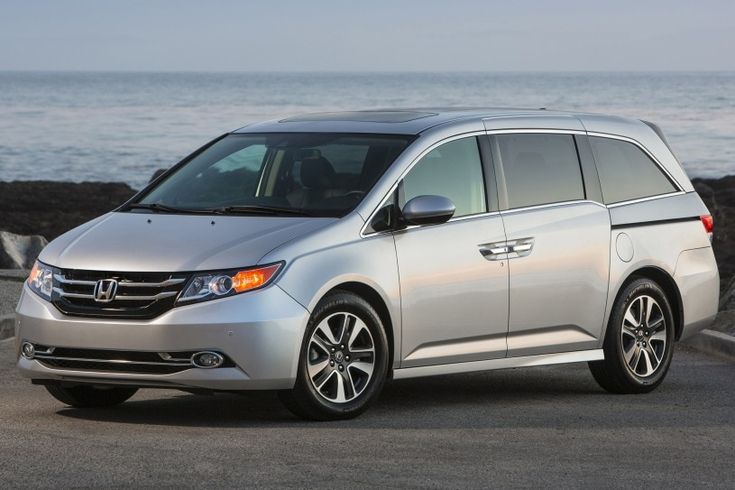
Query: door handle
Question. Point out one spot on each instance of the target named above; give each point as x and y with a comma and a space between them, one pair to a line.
494, 251
520, 248
512, 249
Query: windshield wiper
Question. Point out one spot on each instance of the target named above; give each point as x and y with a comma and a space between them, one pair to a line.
162, 208
257, 209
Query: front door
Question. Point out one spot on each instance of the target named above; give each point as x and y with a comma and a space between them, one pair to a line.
454, 281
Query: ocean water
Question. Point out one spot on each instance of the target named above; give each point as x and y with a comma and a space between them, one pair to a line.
124, 126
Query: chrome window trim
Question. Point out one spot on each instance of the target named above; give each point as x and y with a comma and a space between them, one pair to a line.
553, 205
627, 139
644, 199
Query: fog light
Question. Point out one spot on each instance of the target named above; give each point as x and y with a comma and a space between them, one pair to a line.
207, 360
28, 350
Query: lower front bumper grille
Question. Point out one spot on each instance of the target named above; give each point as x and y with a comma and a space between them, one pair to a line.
135, 368
114, 361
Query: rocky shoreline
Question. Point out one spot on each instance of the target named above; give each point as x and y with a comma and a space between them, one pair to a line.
50, 208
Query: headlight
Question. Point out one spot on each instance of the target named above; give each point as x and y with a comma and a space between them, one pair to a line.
212, 285
41, 280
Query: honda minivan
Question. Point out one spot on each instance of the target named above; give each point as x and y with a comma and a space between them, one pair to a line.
322, 255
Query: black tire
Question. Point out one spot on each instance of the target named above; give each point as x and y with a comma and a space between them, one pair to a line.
304, 400
615, 373
84, 396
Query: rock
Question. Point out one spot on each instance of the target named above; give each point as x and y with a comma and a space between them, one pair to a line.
52, 208
19, 251
727, 298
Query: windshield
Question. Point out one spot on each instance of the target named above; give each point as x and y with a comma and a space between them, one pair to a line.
316, 174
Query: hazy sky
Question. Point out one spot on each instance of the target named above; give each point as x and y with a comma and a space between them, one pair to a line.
367, 35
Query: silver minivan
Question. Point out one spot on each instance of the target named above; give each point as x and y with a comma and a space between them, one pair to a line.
321, 255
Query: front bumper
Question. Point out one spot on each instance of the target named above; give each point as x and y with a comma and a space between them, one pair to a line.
260, 331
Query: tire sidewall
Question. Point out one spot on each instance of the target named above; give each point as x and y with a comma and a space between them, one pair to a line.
640, 287
345, 303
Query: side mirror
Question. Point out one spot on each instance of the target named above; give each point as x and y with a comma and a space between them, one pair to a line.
428, 210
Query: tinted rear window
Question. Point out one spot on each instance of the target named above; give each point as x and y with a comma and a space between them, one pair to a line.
540, 168
626, 172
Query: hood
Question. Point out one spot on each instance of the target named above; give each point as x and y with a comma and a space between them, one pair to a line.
148, 242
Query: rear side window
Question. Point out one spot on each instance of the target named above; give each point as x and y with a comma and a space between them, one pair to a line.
452, 170
626, 172
539, 168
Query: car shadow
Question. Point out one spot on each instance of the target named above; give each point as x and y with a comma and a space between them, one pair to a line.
534, 397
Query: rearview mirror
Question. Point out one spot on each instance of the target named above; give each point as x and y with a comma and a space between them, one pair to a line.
428, 210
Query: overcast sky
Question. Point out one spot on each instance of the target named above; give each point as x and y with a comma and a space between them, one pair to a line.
369, 35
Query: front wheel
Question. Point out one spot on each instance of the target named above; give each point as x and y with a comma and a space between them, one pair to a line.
343, 361
639, 340
83, 396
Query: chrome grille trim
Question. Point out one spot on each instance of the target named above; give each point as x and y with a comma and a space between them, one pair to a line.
113, 361
76, 282
119, 297
140, 295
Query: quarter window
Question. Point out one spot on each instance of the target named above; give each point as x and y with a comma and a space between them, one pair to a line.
626, 172
452, 170
539, 168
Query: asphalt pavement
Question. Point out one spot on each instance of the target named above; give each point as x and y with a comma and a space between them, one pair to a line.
537, 427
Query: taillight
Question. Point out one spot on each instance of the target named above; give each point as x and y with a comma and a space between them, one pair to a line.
709, 224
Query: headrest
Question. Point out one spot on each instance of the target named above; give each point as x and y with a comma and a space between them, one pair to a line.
317, 173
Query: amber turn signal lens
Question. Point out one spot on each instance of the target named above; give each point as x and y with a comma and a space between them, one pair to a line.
34, 273
253, 278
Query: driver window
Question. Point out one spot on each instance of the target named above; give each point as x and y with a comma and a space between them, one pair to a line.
452, 170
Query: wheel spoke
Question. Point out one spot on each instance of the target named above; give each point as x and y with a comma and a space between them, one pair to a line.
316, 369
323, 380
341, 397
316, 341
635, 358
326, 331
349, 384
657, 324
631, 353
632, 323
345, 328
659, 336
652, 353
649, 306
365, 367
647, 360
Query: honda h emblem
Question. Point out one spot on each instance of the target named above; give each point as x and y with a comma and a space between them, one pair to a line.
105, 290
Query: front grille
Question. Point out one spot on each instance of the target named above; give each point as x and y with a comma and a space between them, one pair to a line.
140, 295
116, 361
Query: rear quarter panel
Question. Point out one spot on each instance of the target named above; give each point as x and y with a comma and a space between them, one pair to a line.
667, 234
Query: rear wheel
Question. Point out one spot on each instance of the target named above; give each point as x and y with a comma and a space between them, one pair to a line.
343, 361
84, 396
639, 340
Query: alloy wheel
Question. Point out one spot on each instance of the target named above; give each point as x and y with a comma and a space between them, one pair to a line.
341, 357
643, 336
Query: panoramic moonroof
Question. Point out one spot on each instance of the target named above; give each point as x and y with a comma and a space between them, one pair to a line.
362, 116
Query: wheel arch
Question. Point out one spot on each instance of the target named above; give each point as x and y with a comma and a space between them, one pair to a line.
668, 284
374, 298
